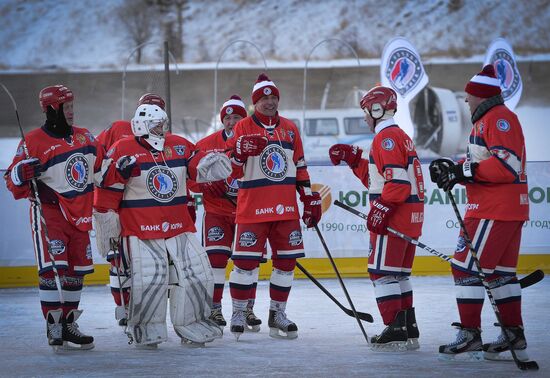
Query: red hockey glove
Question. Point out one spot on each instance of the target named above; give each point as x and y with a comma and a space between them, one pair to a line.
213, 188
127, 167
249, 145
312, 209
191, 208
25, 171
379, 216
350, 154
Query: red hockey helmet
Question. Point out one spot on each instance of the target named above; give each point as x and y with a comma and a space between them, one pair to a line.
378, 101
54, 96
152, 99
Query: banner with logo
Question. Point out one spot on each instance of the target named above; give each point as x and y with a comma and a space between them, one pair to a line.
501, 56
402, 70
345, 233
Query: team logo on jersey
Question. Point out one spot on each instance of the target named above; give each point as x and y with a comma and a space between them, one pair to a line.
57, 246
162, 183
291, 135
461, 244
180, 150
90, 136
232, 186
507, 73
503, 125
295, 238
267, 91
274, 163
81, 138
215, 234
388, 144
404, 70
248, 239
168, 152
409, 146
77, 171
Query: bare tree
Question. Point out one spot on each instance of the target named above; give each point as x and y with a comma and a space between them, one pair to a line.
138, 17
172, 17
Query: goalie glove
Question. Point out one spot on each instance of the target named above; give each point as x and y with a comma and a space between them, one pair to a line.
379, 216
25, 171
213, 167
107, 226
455, 174
127, 167
248, 145
312, 208
350, 154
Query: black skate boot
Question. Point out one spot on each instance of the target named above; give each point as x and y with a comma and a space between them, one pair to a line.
412, 330
217, 317
516, 336
54, 328
252, 321
279, 325
394, 336
237, 323
467, 345
72, 337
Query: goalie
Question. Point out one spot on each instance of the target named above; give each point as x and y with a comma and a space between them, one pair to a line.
157, 230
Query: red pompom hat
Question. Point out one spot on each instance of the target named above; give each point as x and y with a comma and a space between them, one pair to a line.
234, 105
263, 87
485, 84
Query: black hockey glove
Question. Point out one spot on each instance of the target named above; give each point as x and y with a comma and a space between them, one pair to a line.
437, 166
455, 174
128, 167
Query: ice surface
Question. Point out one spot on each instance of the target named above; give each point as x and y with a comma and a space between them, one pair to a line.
330, 343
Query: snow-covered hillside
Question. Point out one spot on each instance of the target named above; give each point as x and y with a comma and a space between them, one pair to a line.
87, 34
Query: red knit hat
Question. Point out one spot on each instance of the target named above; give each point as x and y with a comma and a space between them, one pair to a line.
263, 87
485, 84
233, 106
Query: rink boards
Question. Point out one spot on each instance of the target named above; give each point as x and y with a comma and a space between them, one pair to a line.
345, 233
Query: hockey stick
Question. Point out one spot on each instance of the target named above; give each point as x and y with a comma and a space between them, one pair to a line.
523, 365
342, 283
34, 187
530, 279
362, 315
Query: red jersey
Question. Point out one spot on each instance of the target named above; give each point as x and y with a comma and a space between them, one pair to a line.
154, 204
393, 173
267, 183
71, 166
216, 142
500, 189
118, 130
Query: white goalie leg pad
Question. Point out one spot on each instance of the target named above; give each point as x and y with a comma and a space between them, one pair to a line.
149, 294
191, 297
107, 226
213, 167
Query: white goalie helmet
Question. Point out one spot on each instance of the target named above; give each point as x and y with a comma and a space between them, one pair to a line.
151, 122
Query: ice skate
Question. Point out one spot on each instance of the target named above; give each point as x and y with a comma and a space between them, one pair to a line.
492, 351
280, 326
217, 317
466, 347
72, 337
152, 346
121, 314
237, 323
252, 321
412, 330
54, 328
394, 337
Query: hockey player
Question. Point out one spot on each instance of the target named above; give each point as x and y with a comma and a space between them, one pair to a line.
157, 230
268, 160
393, 175
64, 160
496, 186
219, 199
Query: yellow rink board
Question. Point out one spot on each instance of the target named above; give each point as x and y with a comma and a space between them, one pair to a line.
21, 276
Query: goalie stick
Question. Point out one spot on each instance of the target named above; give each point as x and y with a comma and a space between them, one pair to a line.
362, 315
530, 279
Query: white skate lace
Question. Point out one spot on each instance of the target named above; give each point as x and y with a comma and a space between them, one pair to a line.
73, 328
55, 331
461, 337
237, 318
281, 320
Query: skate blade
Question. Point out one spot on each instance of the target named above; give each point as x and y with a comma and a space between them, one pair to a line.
506, 356
276, 333
71, 347
476, 356
237, 335
253, 328
392, 346
412, 344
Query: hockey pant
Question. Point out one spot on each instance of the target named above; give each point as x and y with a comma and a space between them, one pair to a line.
190, 296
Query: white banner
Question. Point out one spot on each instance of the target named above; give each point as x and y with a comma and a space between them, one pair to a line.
345, 233
501, 56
